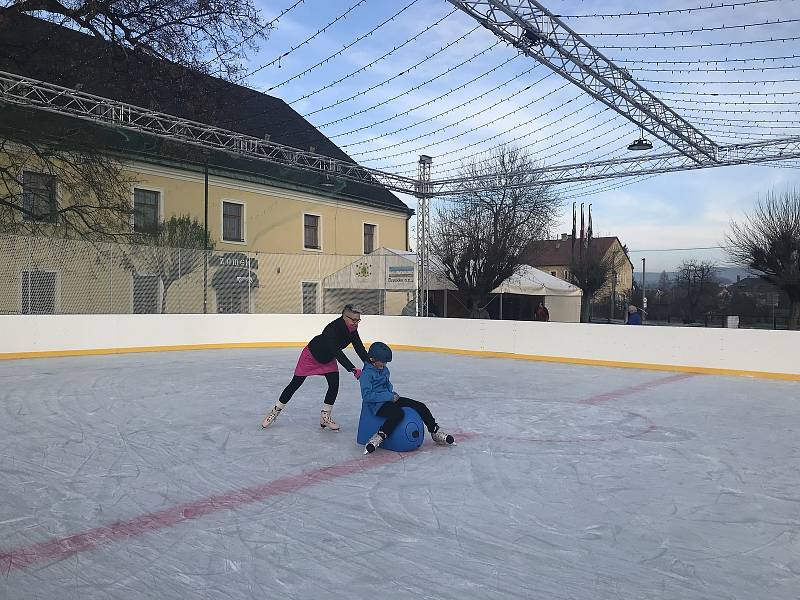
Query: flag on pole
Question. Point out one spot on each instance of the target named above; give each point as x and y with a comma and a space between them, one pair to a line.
582, 229
589, 228
574, 232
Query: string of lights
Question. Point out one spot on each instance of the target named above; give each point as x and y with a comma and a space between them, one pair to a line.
672, 11
256, 33
707, 61
471, 116
729, 82
374, 62
702, 44
745, 26
416, 87
717, 70
468, 131
459, 106
539, 130
400, 74
739, 94
345, 47
304, 42
428, 102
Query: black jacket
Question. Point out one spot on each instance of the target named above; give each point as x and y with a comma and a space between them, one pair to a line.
333, 339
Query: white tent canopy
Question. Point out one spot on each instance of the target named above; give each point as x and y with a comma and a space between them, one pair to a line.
394, 270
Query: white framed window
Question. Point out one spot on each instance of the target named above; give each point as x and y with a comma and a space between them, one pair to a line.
233, 222
146, 291
147, 210
39, 292
370, 237
309, 297
39, 197
312, 231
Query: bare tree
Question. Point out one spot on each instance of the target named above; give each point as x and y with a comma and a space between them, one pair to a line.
172, 251
696, 284
210, 36
592, 271
61, 186
768, 243
61, 176
481, 235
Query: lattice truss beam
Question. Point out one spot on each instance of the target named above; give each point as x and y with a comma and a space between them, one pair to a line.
536, 32
31, 93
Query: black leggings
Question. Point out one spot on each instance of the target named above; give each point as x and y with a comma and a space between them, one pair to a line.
297, 381
393, 411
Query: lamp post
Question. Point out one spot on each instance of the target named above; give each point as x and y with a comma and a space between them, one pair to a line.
205, 233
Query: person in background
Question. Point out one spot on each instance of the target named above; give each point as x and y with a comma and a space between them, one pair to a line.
541, 313
378, 394
634, 318
319, 358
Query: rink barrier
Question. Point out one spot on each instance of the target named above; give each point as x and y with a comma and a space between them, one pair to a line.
736, 352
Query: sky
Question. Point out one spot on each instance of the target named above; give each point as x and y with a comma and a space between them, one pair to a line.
388, 81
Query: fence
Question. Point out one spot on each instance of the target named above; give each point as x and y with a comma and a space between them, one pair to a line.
40, 275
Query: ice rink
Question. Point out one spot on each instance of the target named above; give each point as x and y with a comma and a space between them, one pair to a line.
147, 476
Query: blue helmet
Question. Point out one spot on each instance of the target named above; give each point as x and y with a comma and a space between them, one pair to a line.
380, 351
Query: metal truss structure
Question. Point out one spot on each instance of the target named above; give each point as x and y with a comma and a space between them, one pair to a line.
30, 93
536, 32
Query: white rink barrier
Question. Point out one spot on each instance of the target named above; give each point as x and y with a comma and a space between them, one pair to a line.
771, 354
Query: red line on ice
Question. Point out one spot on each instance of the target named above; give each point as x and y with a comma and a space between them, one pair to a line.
639, 387
57, 549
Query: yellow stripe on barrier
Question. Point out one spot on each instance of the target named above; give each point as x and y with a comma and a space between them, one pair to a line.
479, 353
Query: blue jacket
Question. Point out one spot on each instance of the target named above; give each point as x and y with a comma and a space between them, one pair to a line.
635, 319
375, 387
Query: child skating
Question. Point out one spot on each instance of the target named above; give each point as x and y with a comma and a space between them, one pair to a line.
379, 395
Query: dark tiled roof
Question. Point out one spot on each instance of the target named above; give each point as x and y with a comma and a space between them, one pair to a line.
544, 253
48, 52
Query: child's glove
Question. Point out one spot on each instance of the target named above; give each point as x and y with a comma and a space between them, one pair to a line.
395, 396
357, 373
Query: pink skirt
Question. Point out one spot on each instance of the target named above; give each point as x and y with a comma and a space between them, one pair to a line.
308, 365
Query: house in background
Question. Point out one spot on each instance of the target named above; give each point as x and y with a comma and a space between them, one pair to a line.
554, 257
307, 226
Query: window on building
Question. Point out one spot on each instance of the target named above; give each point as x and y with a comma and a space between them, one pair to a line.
310, 297
370, 232
145, 210
38, 292
232, 222
566, 275
145, 294
39, 197
553, 273
311, 232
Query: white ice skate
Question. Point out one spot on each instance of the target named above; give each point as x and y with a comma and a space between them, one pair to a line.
325, 420
270, 418
375, 441
442, 438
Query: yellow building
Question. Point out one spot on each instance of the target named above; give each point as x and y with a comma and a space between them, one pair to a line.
278, 231
554, 257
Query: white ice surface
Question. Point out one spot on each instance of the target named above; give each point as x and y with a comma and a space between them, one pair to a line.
584, 483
